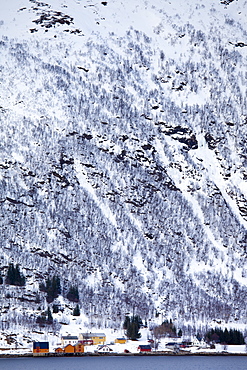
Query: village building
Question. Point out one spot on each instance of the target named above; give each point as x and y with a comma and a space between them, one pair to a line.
97, 338
144, 348
79, 347
69, 349
59, 350
121, 340
69, 339
199, 342
196, 342
86, 342
174, 346
103, 349
40, 348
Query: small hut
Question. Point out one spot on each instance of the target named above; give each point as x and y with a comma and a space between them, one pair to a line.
59, 350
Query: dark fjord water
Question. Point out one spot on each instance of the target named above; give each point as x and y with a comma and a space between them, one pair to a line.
126, 363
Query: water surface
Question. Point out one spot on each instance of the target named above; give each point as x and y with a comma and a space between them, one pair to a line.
126, 363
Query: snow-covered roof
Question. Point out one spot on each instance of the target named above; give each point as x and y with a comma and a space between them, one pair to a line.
91, 335
69, 337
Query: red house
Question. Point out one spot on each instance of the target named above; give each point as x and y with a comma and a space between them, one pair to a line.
144, 348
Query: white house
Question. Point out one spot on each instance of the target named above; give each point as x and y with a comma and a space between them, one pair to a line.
69, 339
199, 342
104, 349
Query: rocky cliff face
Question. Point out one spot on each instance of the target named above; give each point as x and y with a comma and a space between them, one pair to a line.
123, 156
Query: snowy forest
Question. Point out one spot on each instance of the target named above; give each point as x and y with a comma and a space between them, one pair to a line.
123, 165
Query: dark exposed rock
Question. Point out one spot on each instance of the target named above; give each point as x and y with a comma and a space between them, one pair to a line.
72, 133
65, 233
121, 156
51, 18
146, 117
124, 137
61, 178
177, 130
88, 165
84, 69
87, 136
240, 44
136, 203
64, 160
4, 166
181, 134
147, 146
170, 185
226, 2
212, 143
14, 201
191, 142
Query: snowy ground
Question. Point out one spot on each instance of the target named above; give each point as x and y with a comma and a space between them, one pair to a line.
111, 335
220, 348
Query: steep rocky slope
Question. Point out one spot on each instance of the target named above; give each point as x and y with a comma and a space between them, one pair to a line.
123, 156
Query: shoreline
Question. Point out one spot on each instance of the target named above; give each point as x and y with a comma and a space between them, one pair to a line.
157, 353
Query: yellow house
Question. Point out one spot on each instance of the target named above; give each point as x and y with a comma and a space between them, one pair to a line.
97, 338
120, 340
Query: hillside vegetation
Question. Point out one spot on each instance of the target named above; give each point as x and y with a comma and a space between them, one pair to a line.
123, 159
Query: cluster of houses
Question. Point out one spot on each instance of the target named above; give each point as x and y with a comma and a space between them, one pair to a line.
73, 344
178, 344
76, 344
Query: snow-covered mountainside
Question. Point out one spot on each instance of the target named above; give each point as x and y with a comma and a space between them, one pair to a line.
123, 156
